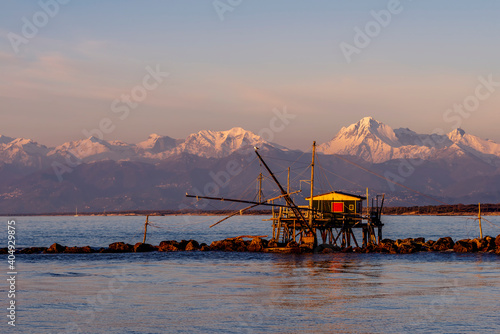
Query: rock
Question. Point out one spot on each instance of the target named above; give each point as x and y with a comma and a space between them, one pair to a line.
326, 248
272, 243
347, 250
257, 245
204, 248
56, 248
182, 245
465, 246
358, 250
490, 243
387, 246
443, 244
292, 244
229, 245
78, 250
193, 245
143, 248
419, 240
120, 247
168, 248
497, 241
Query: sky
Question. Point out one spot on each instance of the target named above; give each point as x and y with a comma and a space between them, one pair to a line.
126, 69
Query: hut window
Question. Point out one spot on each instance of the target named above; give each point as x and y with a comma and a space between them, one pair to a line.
338, 207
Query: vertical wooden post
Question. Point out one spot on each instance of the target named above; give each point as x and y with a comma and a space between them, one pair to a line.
312, 186
367, 203
480, 227
145, 229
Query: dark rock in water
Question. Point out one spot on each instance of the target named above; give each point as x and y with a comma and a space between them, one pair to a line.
182, 245
33, 250
326, 248
257, 245
358, 250
465, 246
490, 243
229, 245
497, 241
443, 244
272, 243
120, 247
169, 246
204, 248
387, 246
56, 248
143, 248
419, 240
347, 250
193, 245
78, 250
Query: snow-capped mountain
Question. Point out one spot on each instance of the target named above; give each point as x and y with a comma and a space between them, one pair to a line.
376, 142
218, 144
94, 149
23, 152
157, 144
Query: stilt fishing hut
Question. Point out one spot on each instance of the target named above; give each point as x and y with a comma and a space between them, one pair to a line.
331, 216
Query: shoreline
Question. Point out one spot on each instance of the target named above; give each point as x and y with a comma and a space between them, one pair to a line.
155, 214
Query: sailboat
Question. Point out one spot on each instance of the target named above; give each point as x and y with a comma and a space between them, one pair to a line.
76, 212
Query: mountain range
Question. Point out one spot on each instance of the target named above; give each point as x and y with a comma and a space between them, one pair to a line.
94, 174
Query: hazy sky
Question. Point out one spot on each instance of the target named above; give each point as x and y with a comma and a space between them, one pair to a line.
232, 65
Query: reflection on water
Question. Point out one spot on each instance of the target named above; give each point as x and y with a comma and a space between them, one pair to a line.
255, 293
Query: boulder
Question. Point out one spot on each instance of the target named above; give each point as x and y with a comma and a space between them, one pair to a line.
78, 250
443, 244
143, 248
465, 246
229, 245
192, 245
120, 247
347, 250
257, 245
497, 241
56, 248
387, 246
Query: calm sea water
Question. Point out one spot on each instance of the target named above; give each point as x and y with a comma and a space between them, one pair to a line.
213, 292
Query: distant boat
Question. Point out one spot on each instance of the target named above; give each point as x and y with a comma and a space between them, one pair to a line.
76, 212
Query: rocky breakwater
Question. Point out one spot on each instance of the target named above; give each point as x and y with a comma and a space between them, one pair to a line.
258, 244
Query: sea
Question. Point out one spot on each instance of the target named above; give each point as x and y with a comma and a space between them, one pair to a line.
218, 292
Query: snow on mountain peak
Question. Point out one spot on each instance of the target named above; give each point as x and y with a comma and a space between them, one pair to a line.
369, 139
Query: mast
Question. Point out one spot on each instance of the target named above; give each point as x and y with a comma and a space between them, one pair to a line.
312, 185
259, 195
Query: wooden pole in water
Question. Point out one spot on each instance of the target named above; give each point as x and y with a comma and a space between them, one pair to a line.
312, 186
145, 229
480, 227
